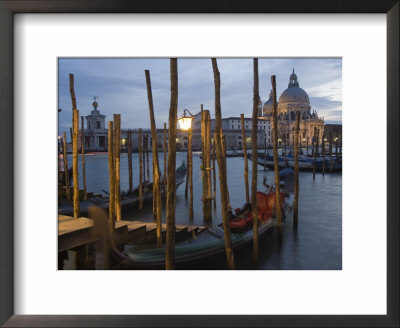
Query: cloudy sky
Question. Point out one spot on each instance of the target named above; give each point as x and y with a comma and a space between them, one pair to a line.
120, 86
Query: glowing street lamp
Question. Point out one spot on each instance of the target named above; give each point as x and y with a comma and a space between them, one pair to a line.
185, 122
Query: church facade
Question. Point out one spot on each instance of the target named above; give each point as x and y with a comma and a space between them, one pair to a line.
292, 100
96, 134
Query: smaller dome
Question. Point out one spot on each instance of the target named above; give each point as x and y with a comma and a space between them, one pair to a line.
268, 106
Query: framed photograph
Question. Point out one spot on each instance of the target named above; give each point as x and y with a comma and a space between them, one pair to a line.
327, 273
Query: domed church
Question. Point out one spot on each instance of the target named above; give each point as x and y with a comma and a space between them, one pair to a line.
292, 100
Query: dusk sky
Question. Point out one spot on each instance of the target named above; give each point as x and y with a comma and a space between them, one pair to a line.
120, 85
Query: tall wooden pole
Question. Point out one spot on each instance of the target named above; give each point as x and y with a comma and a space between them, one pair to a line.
323, 154
140, 140
202, 132
171, 185
224, 162
155, 199
117, 160
83, 159
156, 170
222, 168
187, 162
165, 159
246, 164
144, 160
214, 174
203, 161
111, 172
206, 132
66, 173
75, 161
265, 151
72, 91
256, 101
314, 153
130, 161
296, 172
317, 145
75, 132
207, 141
147, 157
276, 163
190, 173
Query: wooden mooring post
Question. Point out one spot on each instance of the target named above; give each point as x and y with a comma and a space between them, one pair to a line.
75, 134
214, 174
265, 152
156, 171
171, 186
75, 157
275, 144
111, 172
207, 204
140, 140
323, 154
190, 173
83, 158
254, 172
165, 159
226, 169
314, 152
117, 160
130, 168
187, 177
66, 173
246, 163
296, 172
147, 157
144, 161
222, 168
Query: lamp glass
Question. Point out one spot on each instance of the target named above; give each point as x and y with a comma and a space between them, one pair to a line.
185, 123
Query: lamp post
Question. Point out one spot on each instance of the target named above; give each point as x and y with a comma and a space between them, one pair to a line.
185, 123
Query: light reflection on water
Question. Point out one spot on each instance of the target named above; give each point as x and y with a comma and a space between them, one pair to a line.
316, 245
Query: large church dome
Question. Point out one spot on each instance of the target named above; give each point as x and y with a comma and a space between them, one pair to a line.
294, 94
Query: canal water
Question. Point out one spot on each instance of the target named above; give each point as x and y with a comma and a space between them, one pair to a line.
316, 245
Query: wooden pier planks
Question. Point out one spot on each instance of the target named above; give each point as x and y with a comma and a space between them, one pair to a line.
74, 232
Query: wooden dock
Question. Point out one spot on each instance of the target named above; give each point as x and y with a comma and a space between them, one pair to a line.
76, 232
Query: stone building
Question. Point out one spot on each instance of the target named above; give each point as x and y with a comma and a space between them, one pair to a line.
232, 129
96, 131
291, 100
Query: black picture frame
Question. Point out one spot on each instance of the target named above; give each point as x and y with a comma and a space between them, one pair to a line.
7, 10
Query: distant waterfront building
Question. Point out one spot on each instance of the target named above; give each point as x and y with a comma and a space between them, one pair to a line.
95, 132
232, 129
294, 99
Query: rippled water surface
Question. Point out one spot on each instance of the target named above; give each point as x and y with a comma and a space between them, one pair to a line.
317, 244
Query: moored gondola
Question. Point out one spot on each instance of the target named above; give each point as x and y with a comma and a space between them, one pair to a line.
206, 245
127, 198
